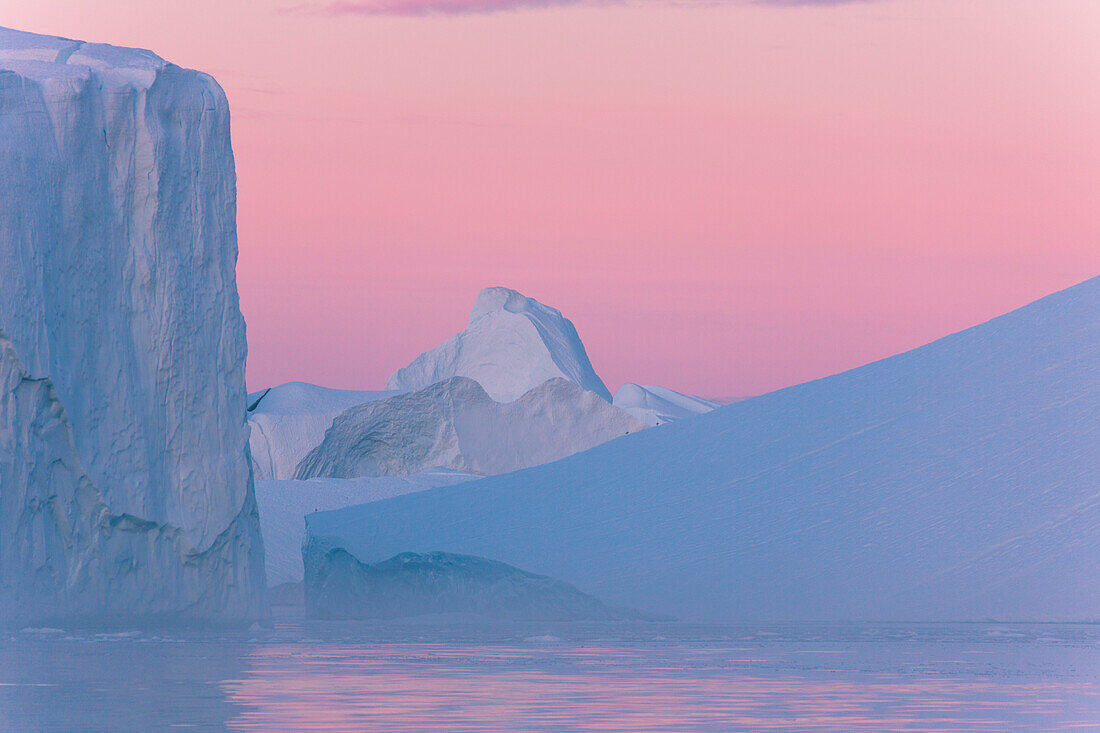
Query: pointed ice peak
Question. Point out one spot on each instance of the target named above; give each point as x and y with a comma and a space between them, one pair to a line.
513, 344
497, 298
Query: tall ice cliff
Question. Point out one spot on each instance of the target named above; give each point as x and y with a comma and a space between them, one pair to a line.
125, 488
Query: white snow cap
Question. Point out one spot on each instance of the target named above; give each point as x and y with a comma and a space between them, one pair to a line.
512, 345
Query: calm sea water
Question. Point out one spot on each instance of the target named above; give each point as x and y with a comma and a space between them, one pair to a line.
469, 677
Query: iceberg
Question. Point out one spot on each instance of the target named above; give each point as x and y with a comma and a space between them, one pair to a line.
315, 448
455, 425
386, 444
125, 487
512, 345
959, 481
415, 584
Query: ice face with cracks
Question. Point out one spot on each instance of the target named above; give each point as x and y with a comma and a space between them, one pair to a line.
124, 476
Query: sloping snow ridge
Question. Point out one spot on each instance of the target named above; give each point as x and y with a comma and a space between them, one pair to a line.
959, 481
288, 421
512, 345
455, 425
655, 405
125, 488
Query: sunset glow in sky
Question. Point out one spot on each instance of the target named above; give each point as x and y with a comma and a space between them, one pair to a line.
725, 197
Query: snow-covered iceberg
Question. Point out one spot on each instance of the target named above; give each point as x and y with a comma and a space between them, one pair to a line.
958, 481
455, 425
125, 488
512, 345
514, 348
655, 405
325, 448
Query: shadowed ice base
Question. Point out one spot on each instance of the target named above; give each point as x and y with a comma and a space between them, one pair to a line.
595, 677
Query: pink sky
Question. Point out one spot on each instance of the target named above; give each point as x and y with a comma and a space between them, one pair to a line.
725, 197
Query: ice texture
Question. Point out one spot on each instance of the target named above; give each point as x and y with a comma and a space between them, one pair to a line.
455, 425
958, 481
512, 345
324, 456
655, 405
338, 586
125, 484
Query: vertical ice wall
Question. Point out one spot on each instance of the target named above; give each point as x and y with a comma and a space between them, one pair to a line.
124, 479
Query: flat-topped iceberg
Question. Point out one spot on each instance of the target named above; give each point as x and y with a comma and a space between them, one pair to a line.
125, 488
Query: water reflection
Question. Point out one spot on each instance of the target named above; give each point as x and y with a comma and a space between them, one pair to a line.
645, 678
106, 682
665, 687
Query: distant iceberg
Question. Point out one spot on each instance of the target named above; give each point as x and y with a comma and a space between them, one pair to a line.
655, 405
415, 584
455, 425
959, 481
512, 345
390, 445
513, 390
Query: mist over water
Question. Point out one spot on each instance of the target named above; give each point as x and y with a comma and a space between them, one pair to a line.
456, 676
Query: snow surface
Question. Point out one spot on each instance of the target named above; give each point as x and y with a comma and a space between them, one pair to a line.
957, 481
655, 405
124, 481
288, 421
454, 424
512, 345
284, 504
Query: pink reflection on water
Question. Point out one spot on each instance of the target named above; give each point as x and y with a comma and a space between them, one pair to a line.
402, 687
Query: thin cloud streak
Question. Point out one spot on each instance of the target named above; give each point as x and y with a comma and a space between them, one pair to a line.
463, 7
441, 7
